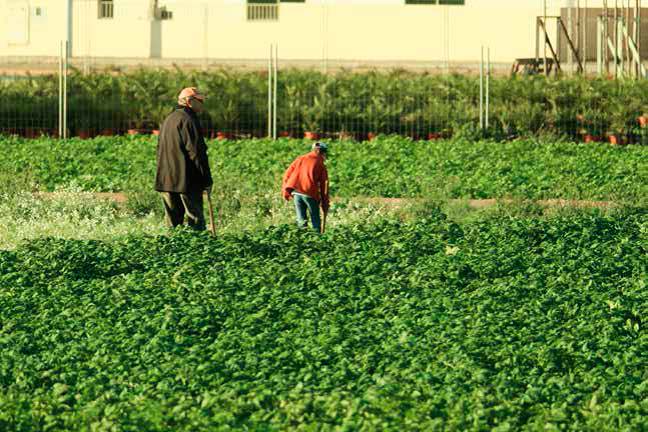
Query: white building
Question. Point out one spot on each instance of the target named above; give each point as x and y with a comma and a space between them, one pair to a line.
351, 32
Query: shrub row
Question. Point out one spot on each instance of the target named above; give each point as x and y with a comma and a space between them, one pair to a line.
346, 104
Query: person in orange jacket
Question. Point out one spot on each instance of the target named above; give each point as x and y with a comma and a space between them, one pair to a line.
306, 182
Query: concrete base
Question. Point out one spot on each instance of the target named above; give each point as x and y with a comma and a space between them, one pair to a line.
48, 65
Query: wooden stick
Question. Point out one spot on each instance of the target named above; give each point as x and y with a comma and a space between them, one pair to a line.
325, 193
211, 214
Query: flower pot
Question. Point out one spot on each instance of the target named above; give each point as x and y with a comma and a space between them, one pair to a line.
589, 138
30, 133
371, 136
643, 120
138, 131
284, 134
107, 132
311, 135
51, 133
155, 132
83, 133
432, 136
614, 139
223, 135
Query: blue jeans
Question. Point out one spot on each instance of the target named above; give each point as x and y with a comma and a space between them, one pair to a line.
304, 204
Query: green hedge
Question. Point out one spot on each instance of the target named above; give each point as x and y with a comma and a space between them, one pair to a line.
417, 105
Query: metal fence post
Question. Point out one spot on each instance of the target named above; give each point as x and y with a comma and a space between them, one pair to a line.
270, 64
60, 92
65, 103
481, 90
618, 49
63, 71
599, 46
274, 96
488, 74
585, 39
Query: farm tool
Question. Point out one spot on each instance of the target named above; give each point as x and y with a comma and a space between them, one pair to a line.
325, 212
211, 214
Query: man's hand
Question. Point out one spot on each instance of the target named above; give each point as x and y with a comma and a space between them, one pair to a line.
287, 194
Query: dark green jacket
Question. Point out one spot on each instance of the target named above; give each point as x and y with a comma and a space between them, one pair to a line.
182, 164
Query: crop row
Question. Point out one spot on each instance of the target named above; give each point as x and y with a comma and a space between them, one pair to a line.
344, 104
387, 167
519, 324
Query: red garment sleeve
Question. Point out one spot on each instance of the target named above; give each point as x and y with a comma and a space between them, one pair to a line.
284, 190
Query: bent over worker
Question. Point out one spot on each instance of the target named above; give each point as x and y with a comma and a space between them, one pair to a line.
305, 181
182, 166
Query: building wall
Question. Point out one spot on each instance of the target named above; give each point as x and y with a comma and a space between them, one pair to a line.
128, 34
379, 31
350, 30
41, 26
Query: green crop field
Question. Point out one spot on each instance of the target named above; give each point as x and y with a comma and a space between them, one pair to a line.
424, 316
387, 167
518, 324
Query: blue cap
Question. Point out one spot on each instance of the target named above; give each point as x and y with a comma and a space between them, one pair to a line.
320, 146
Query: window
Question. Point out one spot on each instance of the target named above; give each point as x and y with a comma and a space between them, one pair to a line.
165, 14
436, 2
266, 10
106, 9
263, 10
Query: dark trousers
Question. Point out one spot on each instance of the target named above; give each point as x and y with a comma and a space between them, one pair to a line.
177, 205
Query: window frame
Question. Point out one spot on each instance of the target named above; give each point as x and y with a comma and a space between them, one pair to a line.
435, 2
105, 9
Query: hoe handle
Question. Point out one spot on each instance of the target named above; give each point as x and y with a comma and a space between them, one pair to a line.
325, 191
211, 214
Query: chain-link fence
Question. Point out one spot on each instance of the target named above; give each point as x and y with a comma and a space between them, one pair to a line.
334, 105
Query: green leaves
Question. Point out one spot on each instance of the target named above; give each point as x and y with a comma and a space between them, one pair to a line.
386, 167
498, 324
397, 101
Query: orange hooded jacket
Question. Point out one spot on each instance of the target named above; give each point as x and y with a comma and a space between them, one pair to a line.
307, 175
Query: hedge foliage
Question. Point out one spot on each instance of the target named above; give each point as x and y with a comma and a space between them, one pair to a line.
344, 103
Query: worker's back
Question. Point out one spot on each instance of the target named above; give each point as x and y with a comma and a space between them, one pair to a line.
306, 175
181, 154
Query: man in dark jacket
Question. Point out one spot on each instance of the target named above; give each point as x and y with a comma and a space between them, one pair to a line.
183, 172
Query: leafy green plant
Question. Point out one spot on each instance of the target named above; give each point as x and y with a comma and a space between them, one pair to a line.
390, 102
506, 322
389, 167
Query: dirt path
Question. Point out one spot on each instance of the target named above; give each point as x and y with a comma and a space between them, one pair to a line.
118, 197
121, 198
481, 203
